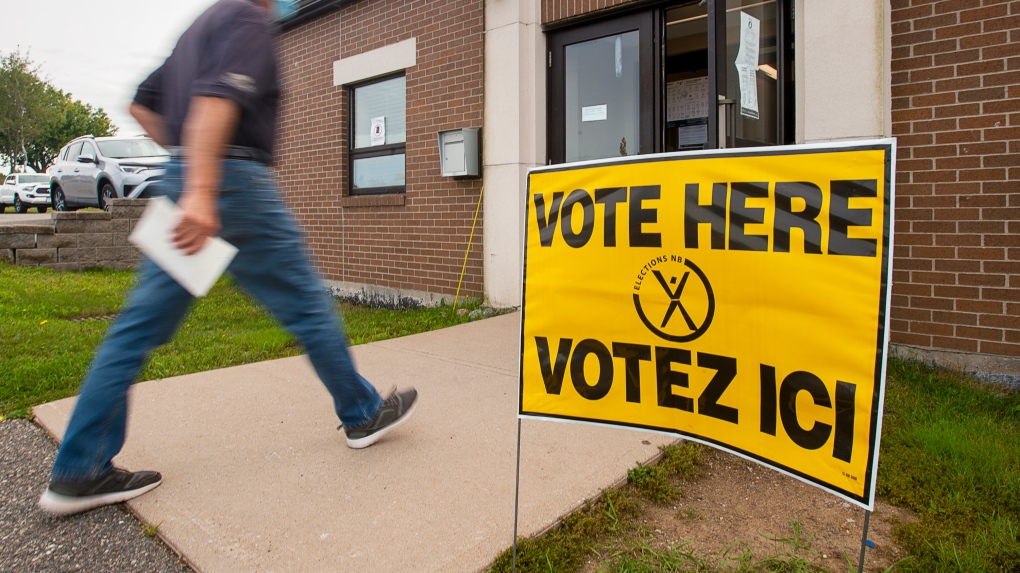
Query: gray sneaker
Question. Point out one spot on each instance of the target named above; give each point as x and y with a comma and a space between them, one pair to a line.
396, 409
69, 497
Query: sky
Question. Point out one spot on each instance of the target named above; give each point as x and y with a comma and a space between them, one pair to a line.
100, 50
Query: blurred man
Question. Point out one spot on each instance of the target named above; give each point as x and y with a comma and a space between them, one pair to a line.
214, 104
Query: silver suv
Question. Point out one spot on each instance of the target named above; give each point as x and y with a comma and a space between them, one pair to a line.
90, 171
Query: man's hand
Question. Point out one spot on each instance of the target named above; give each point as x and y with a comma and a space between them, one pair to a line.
208, 129
200, 220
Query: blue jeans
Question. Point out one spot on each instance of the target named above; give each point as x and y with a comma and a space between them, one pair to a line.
271, 264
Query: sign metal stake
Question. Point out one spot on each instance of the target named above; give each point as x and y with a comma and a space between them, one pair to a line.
517, 492
864, 541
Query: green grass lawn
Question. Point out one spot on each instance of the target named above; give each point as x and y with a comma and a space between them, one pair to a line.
950, 452
51, 323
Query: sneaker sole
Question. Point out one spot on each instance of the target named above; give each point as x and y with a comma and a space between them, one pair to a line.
360, 443
56, 504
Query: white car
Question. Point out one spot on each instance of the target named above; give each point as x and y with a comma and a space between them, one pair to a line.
24, 190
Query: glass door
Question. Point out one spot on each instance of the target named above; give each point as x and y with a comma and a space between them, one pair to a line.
757, 77
683, 75
603, 100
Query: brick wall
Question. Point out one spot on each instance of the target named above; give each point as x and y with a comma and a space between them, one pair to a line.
414, 241
956, 114
553, 10
75, 241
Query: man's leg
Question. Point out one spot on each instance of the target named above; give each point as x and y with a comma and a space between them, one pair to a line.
273, 266
83, 475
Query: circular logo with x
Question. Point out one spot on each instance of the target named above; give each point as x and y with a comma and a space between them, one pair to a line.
674, 299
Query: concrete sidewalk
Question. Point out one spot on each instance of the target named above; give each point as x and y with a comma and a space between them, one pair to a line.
257, 478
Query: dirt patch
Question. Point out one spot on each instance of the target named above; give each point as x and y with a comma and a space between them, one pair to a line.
741, 508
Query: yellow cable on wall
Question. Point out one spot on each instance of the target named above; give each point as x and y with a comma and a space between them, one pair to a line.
468, 251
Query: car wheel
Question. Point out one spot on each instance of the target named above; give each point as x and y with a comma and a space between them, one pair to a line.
106, 193
3, 207
41, 209
19, 207
59, 201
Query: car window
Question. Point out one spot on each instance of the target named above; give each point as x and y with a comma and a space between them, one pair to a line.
74, 150
33, 179
10, 180
123, 148
87, 150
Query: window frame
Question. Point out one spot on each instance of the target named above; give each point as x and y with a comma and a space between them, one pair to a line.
354, 154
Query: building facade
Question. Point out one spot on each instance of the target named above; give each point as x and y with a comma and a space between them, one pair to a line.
371, 83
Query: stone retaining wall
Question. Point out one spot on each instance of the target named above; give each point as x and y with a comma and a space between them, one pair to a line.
75, 241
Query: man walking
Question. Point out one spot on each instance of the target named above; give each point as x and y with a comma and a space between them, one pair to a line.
213, 103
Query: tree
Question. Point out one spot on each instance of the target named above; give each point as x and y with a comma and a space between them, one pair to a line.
66, 118
22, 105
37, 119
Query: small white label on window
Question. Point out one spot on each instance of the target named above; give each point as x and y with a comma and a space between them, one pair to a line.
378, 131
595, 113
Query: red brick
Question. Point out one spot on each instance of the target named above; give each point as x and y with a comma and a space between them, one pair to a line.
1002, 23
958, 266
958, 344
960, 57
979, 306
964, 318
957, 162
954, 5
936, 22
982, 201
981, 227
1003, 79
957, 292
1003, 294
940, 99
958, 240
981, 279
931, 328
984, 40
903, 64
908, 314
929, 74
910, 338
981, 67
937, 47
912, 38
982, 121
980, 95
999, 348
911, 13
986, 13
960, 82
991, 334
999, 321
1008, 240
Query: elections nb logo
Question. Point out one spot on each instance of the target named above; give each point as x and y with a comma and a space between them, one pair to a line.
674, 299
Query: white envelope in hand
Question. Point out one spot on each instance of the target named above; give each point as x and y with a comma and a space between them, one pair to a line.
154, 236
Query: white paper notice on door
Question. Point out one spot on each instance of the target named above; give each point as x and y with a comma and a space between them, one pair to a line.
747, 65
595, 113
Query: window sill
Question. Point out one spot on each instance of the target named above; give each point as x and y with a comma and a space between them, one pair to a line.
388, 200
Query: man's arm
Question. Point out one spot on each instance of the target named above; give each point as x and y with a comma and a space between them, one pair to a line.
150, 121
208, 129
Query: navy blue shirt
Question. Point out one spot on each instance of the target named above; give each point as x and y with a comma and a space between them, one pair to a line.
227, 52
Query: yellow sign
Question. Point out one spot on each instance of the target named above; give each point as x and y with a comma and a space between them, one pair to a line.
737, 298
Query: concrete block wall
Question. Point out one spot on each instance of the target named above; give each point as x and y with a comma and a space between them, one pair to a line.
75, 241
